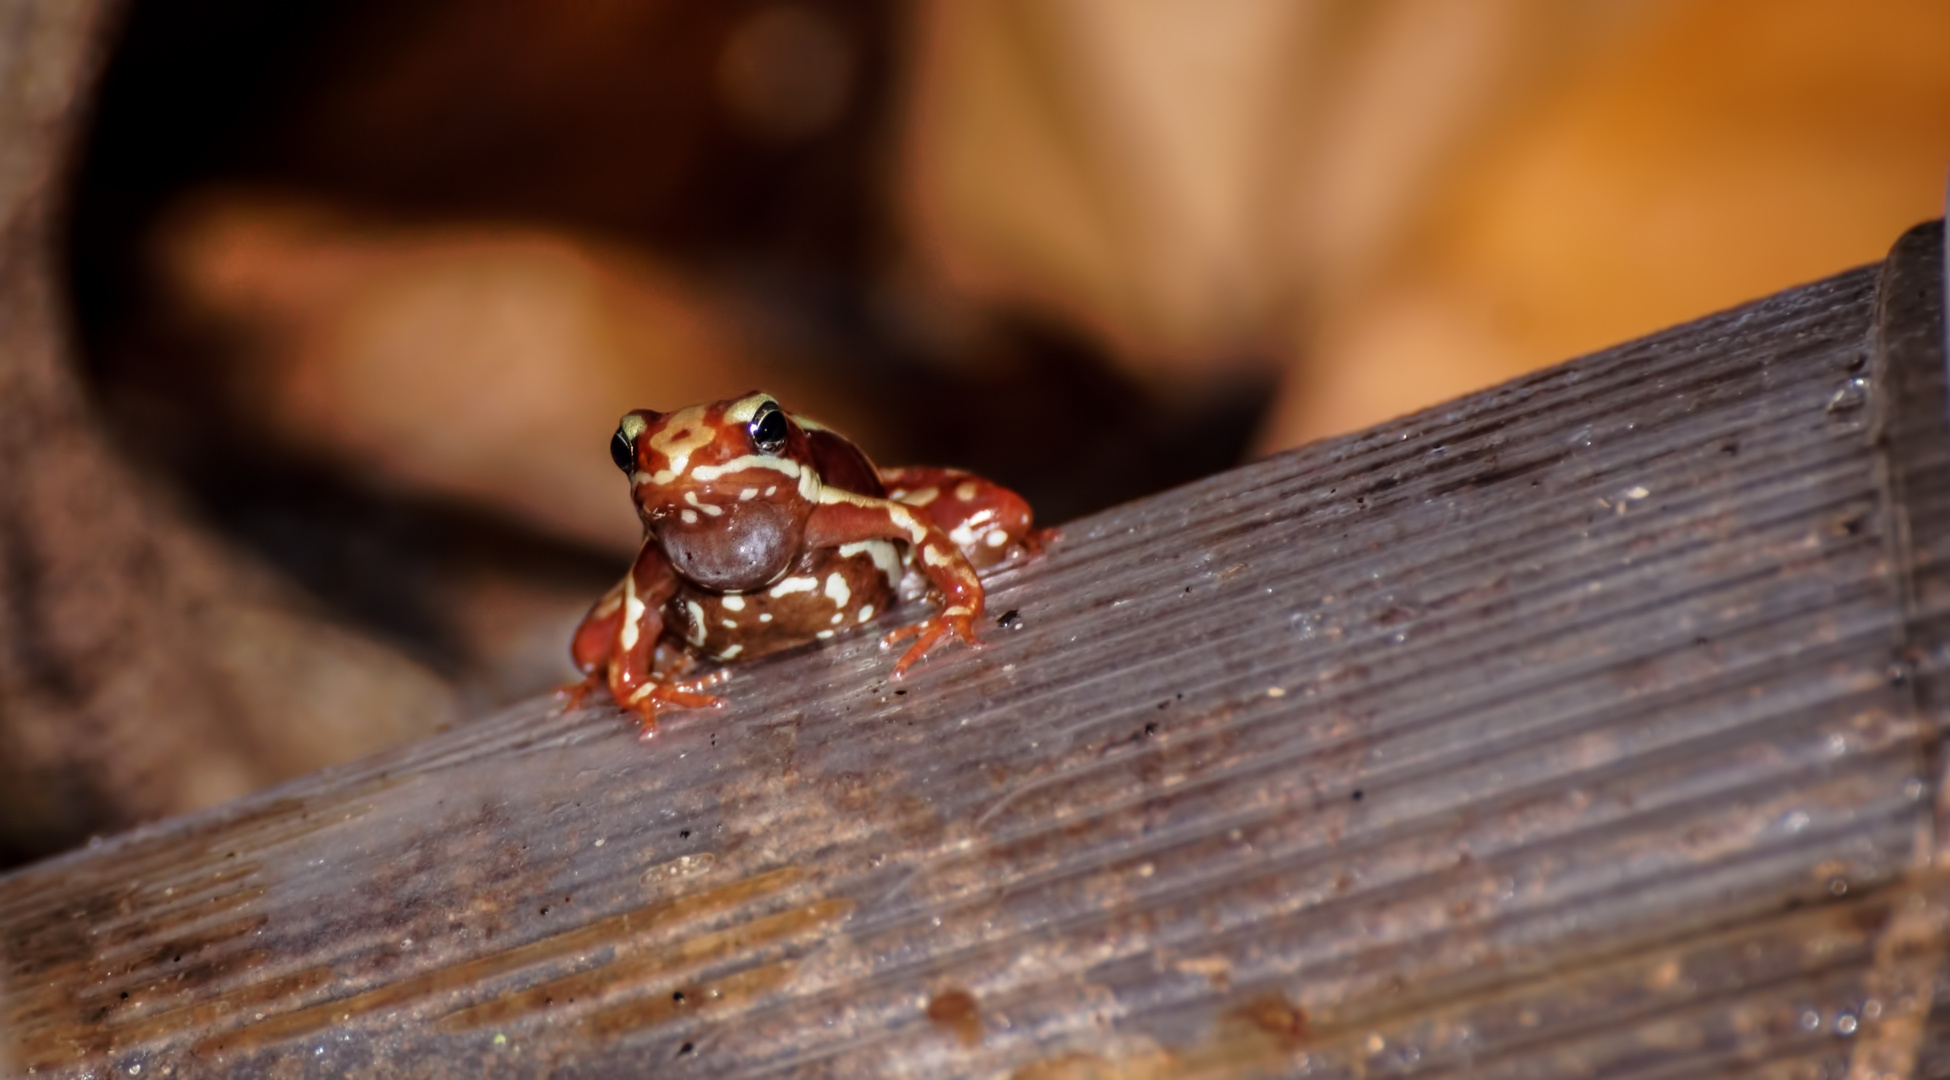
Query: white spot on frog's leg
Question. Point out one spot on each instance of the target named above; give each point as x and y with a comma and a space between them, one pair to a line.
901, 517
967, 490
794, 584
608, 606
728, 624
866, 613
748, 495
958, 610
771, 491
964, 534
689, 516
836, 589
885, 556
823, 634
730, 652
916, 532
920, 498
937, 557
695, 611
733, 602
632, 614
764, 616
643, 691
838, 617
996, 538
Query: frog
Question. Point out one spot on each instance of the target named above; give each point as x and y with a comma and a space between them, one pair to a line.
764, 530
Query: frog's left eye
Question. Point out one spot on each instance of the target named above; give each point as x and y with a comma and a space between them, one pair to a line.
768, 429
622, 450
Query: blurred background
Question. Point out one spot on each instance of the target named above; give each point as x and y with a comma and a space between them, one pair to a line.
363, 286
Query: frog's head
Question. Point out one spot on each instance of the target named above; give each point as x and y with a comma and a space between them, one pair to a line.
725, 489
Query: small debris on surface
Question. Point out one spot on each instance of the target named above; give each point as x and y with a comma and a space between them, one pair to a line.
1276, 1016
957, 1011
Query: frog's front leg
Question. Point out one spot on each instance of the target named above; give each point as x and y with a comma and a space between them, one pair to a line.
618, 642
590, 646
845, 518
988, 522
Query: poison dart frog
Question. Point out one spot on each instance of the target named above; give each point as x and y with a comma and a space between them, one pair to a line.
763, 531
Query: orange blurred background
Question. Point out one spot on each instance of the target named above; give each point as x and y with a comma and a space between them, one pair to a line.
372, 281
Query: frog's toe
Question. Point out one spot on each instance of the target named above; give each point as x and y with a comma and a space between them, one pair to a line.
652, 698
573, 693
929, 634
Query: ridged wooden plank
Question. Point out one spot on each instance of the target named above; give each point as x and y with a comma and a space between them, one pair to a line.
1586, 725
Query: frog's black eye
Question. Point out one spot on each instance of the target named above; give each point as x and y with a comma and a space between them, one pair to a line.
622, 450
768, 429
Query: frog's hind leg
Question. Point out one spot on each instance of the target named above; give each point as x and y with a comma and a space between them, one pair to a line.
988, 522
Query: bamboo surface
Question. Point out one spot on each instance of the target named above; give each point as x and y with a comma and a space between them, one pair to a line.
1587, 725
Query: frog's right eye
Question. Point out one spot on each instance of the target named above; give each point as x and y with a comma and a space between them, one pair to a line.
768, 428
622, 450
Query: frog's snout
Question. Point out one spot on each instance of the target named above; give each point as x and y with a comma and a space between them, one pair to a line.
745, 546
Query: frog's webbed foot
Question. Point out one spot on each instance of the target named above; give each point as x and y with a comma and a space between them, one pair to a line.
655, 695
930, 633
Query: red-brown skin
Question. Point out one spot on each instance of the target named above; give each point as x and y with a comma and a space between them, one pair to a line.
764, 531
